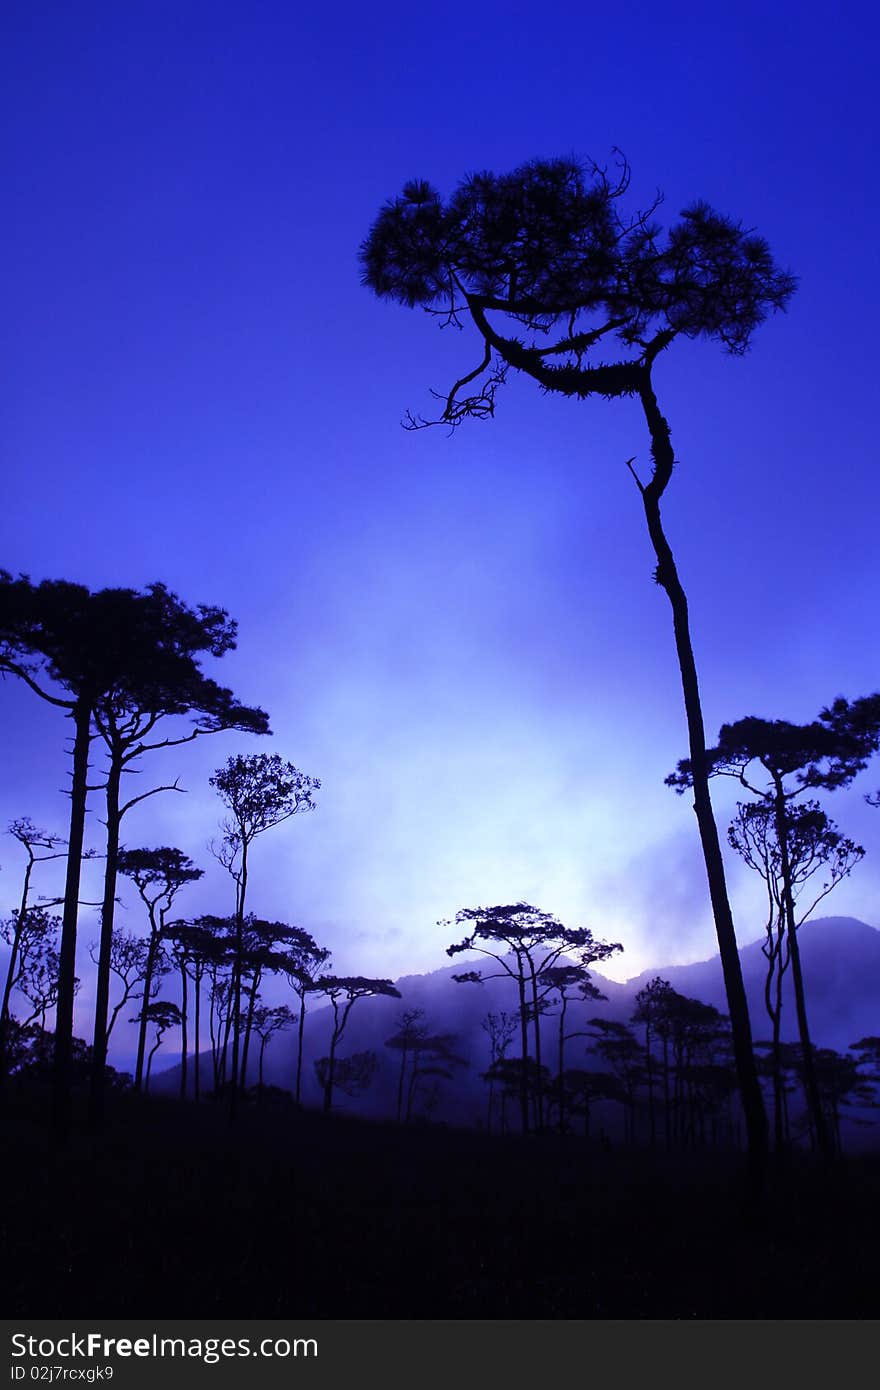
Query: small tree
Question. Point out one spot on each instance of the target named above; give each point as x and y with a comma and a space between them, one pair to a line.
344, 991
353, 1074
163, 1016
410, 1029
32, 840
526, 943
260, 790
812, 845
617, 1046
128, 962
434, 1060
162, 680
159, 875
500, 1029
267, 1022
653, 1005
561, 980
305, 961
264, 950
790, 759
38, 962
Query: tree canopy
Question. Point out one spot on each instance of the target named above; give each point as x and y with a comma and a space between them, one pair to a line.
551, 247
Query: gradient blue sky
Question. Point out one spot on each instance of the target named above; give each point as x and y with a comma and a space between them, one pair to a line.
461, 635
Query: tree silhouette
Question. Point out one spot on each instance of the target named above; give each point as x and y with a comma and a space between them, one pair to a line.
560, 980
819, 755
500, 1029
163, 679
305, 962
264, 948
526, 943
267, 1021
548, 270
344, 991
163, 1016
36, 974
200, 945
32, 840
616, 1044
128, 962
158, 874
353, 1074
868, 1054
410, 1030
260, 790
858, 719
434, 1060
59, 631
431, 1057
653, 1010
812, 844
841, 1085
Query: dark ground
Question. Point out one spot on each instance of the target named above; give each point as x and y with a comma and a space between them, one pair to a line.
172, 1214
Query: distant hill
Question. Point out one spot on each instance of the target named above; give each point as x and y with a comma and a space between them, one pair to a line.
841, 964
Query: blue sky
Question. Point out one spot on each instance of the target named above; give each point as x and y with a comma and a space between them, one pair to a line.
461, 635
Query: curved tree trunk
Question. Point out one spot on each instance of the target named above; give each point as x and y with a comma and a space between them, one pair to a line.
63, 1056
667, 576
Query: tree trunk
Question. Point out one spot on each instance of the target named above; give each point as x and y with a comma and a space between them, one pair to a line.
197, 985
236, 992
299, 1046
667, 1111
775, 1011
152, 953
536, 1025
184, 1041
563, 1006
13, 957
403, 1059
153, 1050
252, 1004
108, 905
62, 1066
524, 1039
737, 1005
331, 1066
649, 1070
811, 1084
